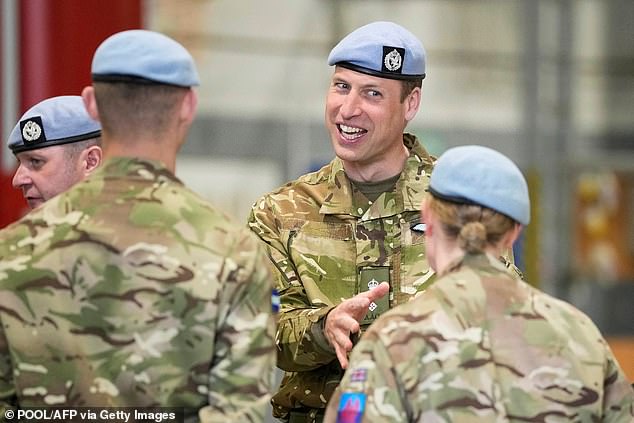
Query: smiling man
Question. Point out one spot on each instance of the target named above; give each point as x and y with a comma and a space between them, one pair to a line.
346, 241
57, 144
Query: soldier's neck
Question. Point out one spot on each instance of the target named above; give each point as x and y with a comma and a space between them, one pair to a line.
148, 150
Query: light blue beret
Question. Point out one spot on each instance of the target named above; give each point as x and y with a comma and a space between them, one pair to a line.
54, 121
475, 174
382, 49
142, 56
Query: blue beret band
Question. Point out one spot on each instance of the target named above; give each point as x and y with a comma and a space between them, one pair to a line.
59, 141
372, 72
451, 198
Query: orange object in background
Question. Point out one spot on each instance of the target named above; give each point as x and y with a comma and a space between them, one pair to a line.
604, 228
623, 349
603, 255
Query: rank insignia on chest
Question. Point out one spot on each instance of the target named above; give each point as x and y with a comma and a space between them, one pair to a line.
370, 278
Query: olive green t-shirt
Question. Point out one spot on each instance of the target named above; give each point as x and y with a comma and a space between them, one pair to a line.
373, 190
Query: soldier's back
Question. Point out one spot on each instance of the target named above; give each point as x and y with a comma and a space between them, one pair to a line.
112, 293
482, 345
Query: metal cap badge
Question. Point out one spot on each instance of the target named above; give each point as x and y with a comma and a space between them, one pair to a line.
54, 121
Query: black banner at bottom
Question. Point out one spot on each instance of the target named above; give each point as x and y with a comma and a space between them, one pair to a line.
94, 414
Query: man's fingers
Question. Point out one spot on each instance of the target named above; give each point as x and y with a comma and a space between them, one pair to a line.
378, 292
342, 346
357, 306
338, 329
342, 339
342, 356
354, 326
363, 300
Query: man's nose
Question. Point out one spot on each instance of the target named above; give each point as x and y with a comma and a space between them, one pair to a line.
21, 177
350, 106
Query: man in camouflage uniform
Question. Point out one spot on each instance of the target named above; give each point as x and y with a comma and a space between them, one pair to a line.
480, 345
130, 290
343, 236
57, 145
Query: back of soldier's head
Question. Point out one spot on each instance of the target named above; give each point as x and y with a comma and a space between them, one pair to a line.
474, 174
139, 77
478, 194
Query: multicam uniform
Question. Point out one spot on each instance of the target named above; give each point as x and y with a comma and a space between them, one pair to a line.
130, 290
482, 346
329, 243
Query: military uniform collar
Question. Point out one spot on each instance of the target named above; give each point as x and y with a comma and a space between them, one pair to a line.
133, 167
407, 196
481, 261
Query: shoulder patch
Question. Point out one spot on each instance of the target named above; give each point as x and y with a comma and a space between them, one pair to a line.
275, 301
359, 375
351, 407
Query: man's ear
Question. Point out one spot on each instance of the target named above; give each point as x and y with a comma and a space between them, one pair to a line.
92, 158
90, 103
412, 103
188, 106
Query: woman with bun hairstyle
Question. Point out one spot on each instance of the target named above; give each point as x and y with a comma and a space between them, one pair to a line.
480, 344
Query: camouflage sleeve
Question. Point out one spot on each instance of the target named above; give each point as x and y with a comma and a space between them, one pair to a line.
241, 377
301, 343
618, 401
370, 390
8, 398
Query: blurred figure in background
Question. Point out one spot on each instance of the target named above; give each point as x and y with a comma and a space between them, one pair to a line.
480, 344
129, 289
57, 144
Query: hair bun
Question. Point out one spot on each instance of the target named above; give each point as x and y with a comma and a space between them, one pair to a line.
472, 237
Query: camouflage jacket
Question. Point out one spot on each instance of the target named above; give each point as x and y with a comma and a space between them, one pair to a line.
130, 290
482, 346
321, 233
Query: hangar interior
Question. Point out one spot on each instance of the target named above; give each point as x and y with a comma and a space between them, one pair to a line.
548, 82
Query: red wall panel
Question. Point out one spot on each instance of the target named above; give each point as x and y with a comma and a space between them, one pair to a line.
58, 39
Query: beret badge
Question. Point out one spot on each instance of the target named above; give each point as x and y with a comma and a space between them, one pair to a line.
392, 59
32, 130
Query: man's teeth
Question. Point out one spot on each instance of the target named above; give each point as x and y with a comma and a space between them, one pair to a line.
350, 132
350, 129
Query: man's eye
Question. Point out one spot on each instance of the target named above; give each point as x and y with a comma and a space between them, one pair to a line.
374, 93
341, 85
35, 162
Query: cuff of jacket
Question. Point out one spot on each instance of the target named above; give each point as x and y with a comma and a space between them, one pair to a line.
317, 333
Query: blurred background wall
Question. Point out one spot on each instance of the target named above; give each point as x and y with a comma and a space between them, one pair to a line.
548, 82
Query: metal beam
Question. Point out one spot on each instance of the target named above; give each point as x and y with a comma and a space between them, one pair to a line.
10, 77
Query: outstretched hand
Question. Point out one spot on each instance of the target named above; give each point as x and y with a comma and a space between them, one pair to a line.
344, 320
